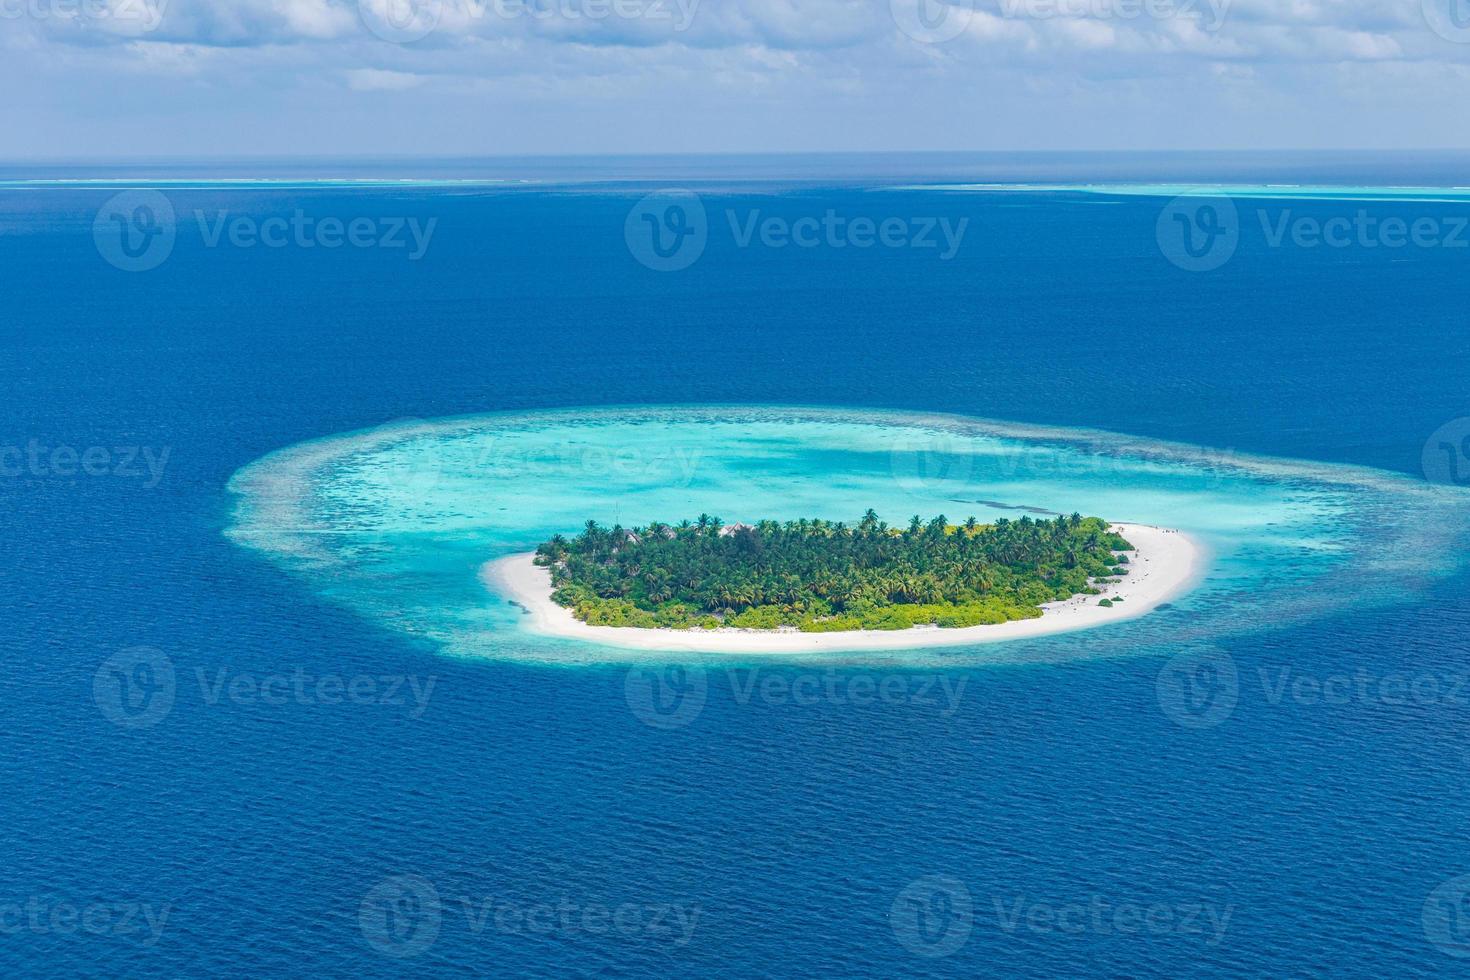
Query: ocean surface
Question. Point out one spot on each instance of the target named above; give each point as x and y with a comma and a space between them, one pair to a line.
261, 718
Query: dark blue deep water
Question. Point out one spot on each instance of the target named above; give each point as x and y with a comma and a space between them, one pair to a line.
1092, 834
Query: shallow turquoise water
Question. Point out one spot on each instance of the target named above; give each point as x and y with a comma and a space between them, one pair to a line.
396, 521
1324, 192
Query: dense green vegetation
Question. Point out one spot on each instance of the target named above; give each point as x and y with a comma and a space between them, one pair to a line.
821, 576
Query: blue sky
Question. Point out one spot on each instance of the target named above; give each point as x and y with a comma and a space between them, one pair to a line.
124, 78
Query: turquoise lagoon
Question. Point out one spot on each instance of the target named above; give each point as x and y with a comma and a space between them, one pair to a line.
1287, 192
395, 522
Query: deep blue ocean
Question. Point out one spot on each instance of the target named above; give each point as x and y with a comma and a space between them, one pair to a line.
1050, 821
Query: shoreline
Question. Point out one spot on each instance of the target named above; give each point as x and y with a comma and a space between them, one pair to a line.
1165, 564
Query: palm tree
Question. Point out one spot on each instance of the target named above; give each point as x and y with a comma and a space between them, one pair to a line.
811, 566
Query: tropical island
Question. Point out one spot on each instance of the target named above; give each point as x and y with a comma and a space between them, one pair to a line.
817, 576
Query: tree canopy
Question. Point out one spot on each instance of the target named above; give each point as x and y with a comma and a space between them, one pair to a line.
817, 576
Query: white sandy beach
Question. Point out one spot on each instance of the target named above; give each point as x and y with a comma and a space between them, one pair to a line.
1165, 565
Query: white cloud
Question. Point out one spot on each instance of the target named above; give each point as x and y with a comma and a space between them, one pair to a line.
814, 71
